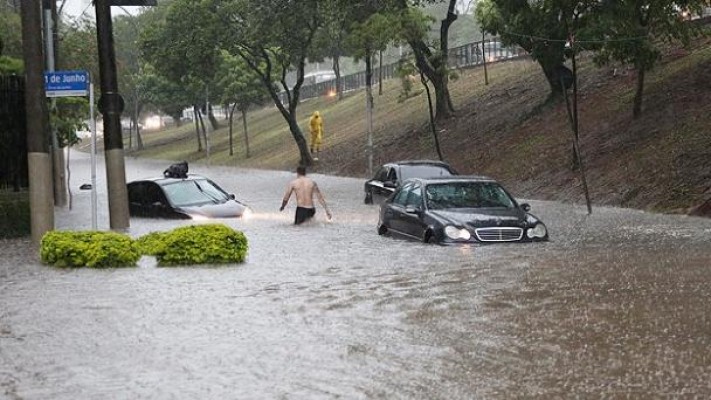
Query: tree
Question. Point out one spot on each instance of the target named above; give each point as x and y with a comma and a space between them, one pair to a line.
241, 88
540, 27
371, 32
184, 48
330, 41
166, 96
10, 31
430, 59
273, 37
127, 30
633, 31
79, 50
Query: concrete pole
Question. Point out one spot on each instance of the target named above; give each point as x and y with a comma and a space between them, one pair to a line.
58, 160
112, 108
38, 158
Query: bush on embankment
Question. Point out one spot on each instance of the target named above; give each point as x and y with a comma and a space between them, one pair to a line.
189, 245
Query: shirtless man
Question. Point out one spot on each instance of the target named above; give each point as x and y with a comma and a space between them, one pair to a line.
305, 188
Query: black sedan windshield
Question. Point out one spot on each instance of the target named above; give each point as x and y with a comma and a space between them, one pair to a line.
423, 171
194, 192
467, 195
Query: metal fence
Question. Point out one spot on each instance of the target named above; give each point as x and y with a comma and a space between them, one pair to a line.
467, 56
13, 137
14, 180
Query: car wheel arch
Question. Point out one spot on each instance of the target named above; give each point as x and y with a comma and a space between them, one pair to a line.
382, 229
429, 236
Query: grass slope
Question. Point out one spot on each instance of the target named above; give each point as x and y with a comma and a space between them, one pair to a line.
506, 130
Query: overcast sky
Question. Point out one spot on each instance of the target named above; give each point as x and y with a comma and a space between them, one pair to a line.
74, 8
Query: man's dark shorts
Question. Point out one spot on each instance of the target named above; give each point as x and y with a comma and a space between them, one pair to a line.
303, 214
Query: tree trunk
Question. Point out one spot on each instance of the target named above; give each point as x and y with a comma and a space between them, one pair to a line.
337, 70
196, 110
231, 118
444, 51
177, 118
429, 65
369, 108
637, 108
442, 98
550, 70
203, 128
380, 73
139, 139
246, 134
211, 116
431, 113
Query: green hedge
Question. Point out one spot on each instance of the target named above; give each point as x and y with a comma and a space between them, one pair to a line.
196, 244
188, 245
91, 249
14, 214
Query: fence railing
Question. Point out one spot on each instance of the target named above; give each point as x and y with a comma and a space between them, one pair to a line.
467, 56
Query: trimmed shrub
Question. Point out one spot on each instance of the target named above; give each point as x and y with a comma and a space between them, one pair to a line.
151, 244
92, 249
197, 244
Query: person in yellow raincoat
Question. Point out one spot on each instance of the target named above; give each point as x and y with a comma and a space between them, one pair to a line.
316, 128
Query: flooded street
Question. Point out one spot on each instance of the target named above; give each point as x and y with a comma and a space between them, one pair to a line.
617, 306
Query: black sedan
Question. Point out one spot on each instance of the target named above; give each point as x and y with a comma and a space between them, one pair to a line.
390, 175
193, 197
458, 209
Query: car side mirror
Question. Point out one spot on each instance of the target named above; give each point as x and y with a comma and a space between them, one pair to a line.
231, 196
413, 210
525, 207
390, 184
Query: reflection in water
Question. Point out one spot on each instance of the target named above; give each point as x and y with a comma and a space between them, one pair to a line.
615, 306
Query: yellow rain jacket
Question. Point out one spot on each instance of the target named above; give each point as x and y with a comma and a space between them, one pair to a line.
316, 128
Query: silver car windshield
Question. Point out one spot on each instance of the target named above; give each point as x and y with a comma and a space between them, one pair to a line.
467, 195
194, 192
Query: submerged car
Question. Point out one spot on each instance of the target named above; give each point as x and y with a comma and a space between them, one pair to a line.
191, 197
458, 209
390, 175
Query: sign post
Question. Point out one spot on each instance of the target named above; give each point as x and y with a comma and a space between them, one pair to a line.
77, 84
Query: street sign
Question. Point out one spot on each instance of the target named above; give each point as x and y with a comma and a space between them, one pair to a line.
66, 83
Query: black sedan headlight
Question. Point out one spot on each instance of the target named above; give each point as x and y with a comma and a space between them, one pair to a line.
538, 231
455, 233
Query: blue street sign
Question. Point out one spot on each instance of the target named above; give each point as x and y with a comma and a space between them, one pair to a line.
66, 83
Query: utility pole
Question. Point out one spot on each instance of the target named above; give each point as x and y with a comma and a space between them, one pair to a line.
38, 158
58, 161
111, 105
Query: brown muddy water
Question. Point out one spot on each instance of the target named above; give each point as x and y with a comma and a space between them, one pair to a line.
616, 306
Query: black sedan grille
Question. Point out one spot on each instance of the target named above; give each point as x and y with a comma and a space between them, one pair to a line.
505, 234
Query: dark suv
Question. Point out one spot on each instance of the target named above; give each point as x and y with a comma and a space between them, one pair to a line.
389, 176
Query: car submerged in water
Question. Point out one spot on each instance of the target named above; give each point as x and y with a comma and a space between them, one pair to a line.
189, 197
390, 175
458, 209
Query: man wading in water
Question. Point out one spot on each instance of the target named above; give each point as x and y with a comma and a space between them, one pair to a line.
305, 188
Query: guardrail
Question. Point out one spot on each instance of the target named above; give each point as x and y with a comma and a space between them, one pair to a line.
467, 56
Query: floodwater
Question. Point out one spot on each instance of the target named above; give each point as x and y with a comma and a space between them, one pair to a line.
616, 306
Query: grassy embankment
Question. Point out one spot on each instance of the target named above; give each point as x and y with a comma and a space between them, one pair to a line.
661, 161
